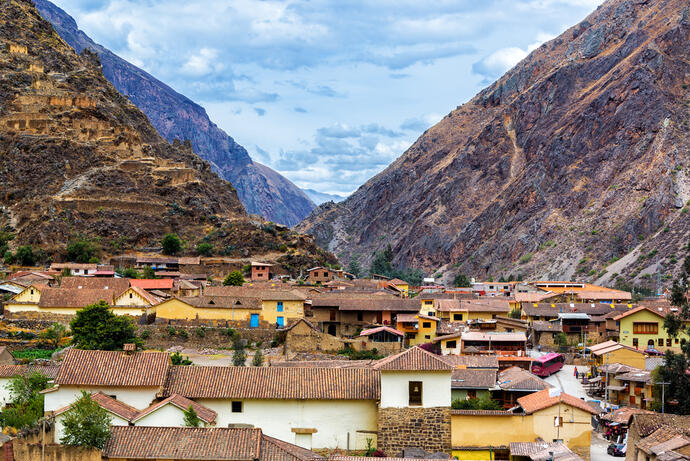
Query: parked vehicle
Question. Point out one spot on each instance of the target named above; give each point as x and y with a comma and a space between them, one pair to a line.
548, 364
616, 449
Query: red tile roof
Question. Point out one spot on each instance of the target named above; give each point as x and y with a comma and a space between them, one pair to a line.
10, 371
114, 406
113, 369
152, 284
274, 383
415, 358
205, 414
372, 331
95, 283
73, 297
550, 397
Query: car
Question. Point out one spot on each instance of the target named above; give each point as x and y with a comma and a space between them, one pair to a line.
616, 449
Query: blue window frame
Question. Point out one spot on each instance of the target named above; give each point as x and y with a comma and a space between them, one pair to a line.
280, 306
254, 321
280, 321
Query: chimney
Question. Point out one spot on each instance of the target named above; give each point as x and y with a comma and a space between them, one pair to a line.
130, 348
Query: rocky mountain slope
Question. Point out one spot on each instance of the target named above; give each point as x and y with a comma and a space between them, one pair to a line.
321, 197
262, 190
78, 160
574, 164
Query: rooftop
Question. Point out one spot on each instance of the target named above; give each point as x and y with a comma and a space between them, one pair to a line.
517, 379
415, 358
550, 397
473, 378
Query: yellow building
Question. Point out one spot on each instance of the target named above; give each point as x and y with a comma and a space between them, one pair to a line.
613, 352
632, 389
643, 328
401, 285
278, 307
482, 435
26, 300
225, 308
462, 310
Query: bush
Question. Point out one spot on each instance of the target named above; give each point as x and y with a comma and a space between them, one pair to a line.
178, 359
229, 332
204, 249
200, 332
484, 403
129, 273
258, 360
461, 280
171, 244
81, 251
25, 405
183, 334
145, 334
25, 256
191, 419
526, 258
234, 278
171, 331
352, 354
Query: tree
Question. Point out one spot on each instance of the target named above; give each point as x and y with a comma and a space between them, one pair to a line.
191, 419
354, 267
561, 340
461, 280
81, 251
258, 360
204, 249
234, 279
239, 356
96, 327
129, 273
515, 313
178, 359
25, 256
382, 262
171, 244
54, 334
86, 424
148, 273
25, 406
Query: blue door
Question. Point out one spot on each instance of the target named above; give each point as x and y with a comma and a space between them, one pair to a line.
254, 321
280, 321
280, 306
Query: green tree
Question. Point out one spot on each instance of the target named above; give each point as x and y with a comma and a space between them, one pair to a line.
171, 244
178, 359
130, 273
382, 262
191, 419
461, 280
204, 249
81, 251
5, 238
147, 272
86, 424
96, 327
25, 256
239, 356
25, 405
561, 340
258, 360
66, 272
54, 334
354, 267
234, 279
515, 313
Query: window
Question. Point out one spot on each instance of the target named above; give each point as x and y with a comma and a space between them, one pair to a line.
131, 296
668, 342
32, 291
676, 340
661, 341
635, 342
451, 344
426, 324
471, 394
280, 306
650, 343
645, 328
332, 316
415, 393
360, 317
412, 335
558, 421
427, 336
237, 406
431, 314
457, 317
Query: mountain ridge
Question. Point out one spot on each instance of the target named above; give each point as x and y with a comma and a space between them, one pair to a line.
262, 190
574, 160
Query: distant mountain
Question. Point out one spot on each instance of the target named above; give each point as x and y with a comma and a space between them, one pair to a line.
321, 197
574, 164
261, 190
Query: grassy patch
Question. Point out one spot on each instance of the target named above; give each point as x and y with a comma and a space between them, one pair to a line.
33, 354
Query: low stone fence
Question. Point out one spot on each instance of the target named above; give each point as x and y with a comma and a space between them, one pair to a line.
159, 336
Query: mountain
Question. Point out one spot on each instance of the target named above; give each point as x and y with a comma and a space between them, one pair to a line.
79, 160
261, 190
574, 164
321, 197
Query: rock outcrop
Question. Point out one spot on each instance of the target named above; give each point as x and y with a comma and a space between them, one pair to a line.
574, 164
78, 160
260, 189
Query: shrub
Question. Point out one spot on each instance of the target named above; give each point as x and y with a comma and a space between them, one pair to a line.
258, 359
191, 419
171, 331
171, 244
461, 280
200, 332
81, 251
25, 404
204, 249
96, 327
183, 334
178, 359
25, 256
145, 334
524, 259
234, 278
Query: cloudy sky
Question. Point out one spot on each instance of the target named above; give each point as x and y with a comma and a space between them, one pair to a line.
327, 92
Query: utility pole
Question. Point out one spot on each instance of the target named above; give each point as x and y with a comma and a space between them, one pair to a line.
606, 390
663, 396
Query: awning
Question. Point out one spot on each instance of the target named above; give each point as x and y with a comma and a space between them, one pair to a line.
615, 388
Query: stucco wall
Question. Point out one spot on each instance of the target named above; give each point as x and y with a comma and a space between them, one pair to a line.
490, 430
166, 416
136, 397
436, 390
332, 419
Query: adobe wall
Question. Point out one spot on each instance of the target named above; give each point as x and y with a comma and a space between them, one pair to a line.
33, 451
413, 427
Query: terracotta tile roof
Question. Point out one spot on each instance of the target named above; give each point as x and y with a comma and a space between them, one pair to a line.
517, 379
601, 294
278, 450
406, 318
498, 336
472, 361
540, 325
665, 438
251, 292
387, 458
648, 423
114, 406
10, 371
398, 282
113, 369
183, 443
72, 297
368, 303
473, 305
660, 310
415, 358
372, 331
482, 412
624, 415
95, 283
274, 383
640, 376
616, 368
80, 266
534, 297
529, 448
152, 284
473, 378
204, 413
553, 309
550, 397
222, 302
152, 299
324, 363
302, 320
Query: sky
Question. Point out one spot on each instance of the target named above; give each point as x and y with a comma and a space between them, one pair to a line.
328, 93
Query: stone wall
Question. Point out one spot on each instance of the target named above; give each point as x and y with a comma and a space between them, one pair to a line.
200, 337
34, 451
425, 428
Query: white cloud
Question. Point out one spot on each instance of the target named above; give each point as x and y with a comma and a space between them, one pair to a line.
501, 60
202, 63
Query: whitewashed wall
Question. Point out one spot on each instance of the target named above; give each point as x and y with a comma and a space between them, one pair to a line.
139, 398
436, 390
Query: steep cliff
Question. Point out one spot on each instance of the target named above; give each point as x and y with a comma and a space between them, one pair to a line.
261, 190
77, 159
575, 163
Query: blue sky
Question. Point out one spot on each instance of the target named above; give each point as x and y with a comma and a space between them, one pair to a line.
326, 92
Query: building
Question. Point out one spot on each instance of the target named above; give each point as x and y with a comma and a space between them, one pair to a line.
472, 383
665, 444
260, 271
548, 415
210, 309
462, 310
633, 388
644, 425
78, 269
501, 343
643, 328
382, 334
6, 358
514, 383
195, 443
9, 372
613, 352
278, 307
401, 285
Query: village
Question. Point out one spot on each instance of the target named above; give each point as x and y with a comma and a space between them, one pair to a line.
331, 366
